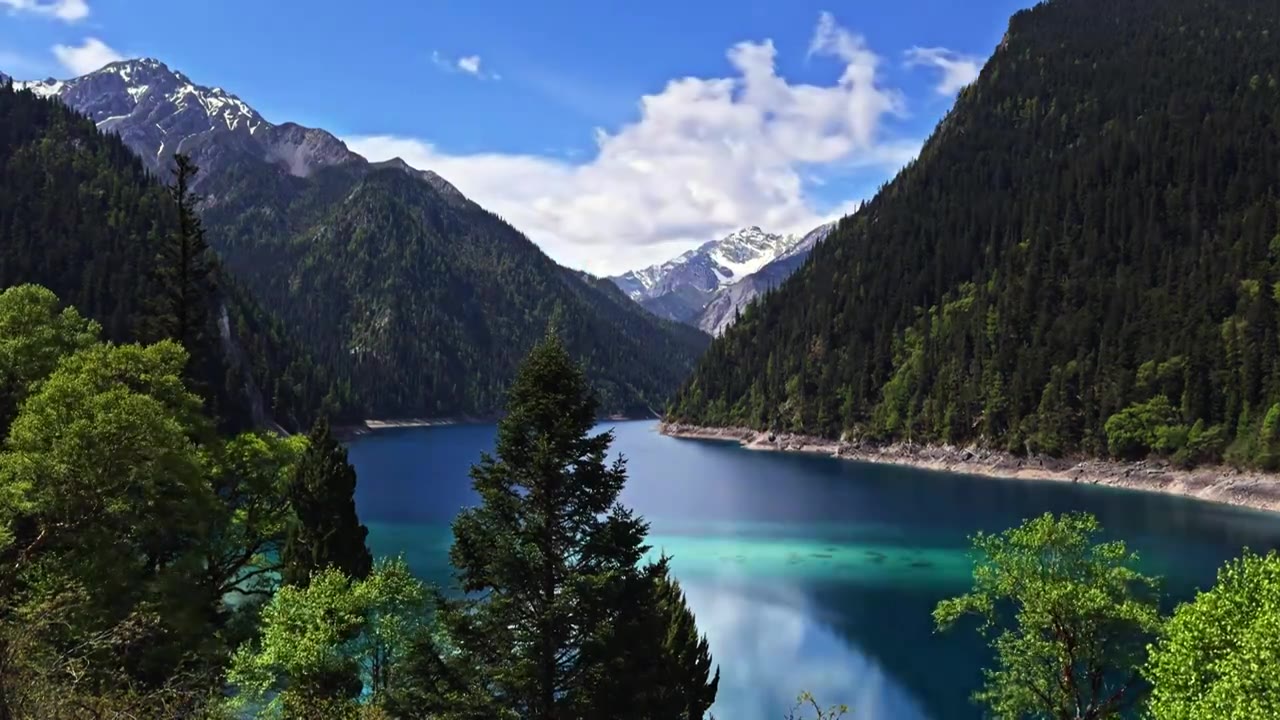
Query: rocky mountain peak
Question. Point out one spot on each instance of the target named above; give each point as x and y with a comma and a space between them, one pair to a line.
707, 285
159, 111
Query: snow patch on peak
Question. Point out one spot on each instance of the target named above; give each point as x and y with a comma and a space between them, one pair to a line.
709, 267
42, 88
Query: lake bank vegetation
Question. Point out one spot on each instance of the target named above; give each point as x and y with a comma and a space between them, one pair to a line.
1215, 483
153, 567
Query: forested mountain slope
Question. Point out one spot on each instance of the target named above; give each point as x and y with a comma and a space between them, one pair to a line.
389, 276
428, 302
1085, 256
80, 215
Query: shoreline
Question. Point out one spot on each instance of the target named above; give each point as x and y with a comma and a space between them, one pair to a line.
350, 431
346, 433
1227, 485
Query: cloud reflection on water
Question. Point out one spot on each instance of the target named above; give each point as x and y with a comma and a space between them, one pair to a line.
771, 643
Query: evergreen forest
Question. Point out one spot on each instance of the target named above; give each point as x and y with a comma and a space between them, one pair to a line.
1085, 258
421, 300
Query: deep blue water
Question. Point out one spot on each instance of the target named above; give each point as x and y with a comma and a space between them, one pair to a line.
806, 572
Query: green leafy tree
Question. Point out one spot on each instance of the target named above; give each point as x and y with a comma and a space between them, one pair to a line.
250, 474
34, 335
326, 531
549, 559
1218, 657
1069, 619
332, 646
103, 500
1144, 427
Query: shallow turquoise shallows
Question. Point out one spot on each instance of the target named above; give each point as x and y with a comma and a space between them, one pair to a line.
808, 573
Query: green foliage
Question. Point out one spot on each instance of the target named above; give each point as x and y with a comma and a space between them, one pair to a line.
1218, 657
97, 435
1089, 228
250, 474
331, 646
1069, 618
1203, 445
1267, 452
34, 335
105, 507
1150, 426
132, 538
686, 688
559, 601
325, 531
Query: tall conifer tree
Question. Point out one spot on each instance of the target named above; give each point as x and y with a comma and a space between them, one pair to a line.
184, 270
326, 531
551, 562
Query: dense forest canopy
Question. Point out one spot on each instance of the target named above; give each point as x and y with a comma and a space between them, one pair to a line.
81, 216
1085, 257
423, 299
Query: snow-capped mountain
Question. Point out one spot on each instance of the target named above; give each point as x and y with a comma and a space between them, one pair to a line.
679, 288
158, 111
723, 307
707, 277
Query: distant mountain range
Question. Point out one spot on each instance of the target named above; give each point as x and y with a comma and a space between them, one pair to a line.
708, 286
419, 299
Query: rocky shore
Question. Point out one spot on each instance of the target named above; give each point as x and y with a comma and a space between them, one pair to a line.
1216, 484
366, 427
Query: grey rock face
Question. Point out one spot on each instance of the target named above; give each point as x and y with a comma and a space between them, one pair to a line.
706, 287
723, 307
157, 112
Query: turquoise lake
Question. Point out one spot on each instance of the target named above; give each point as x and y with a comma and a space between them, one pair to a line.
806, 572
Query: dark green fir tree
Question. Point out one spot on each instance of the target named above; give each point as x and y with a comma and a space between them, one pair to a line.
553, 565
687, 685
326, 531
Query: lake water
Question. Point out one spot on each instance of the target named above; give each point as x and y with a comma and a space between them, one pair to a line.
806, 572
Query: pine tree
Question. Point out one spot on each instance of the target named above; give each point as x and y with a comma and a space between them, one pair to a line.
686, 657
184, 268
550, 559
326, 531
656, 666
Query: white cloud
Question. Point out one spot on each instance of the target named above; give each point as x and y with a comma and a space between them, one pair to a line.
469, 64
957, 70
705, 156
87, 57
66, 10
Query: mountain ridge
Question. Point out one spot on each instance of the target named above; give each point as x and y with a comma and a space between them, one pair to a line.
159, 111
422, 301
707, 286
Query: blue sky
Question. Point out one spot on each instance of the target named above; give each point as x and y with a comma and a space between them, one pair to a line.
779, 114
